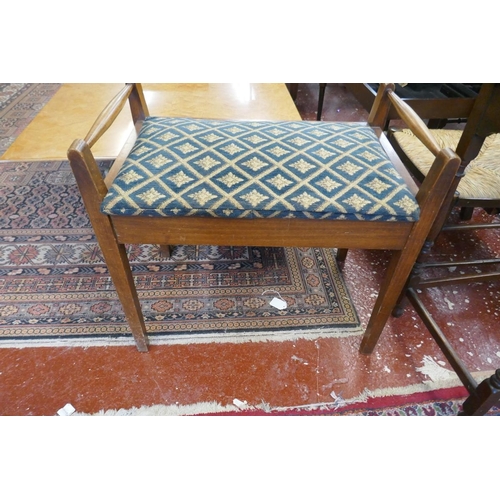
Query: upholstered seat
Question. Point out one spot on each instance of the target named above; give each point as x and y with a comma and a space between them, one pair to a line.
481, 176
258, 169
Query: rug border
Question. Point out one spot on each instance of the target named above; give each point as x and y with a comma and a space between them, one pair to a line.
179, 339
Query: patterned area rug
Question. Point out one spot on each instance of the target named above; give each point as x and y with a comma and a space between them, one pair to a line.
55, 286
19, 104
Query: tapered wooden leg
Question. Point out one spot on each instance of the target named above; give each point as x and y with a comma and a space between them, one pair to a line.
341, 254
438, 181
390, 291
116, 259
166, 251
115, 256
293, 89
322, 88
93, 190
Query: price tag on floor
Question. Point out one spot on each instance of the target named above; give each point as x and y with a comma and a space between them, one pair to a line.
278, 303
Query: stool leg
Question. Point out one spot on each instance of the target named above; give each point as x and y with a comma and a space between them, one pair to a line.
341, 254
166, 251
293, 89
394, 282
118, 264
93, 189
322, 88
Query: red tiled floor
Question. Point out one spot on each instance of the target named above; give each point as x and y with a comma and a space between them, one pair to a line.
39, 381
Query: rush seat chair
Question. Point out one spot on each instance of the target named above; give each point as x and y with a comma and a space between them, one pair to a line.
477, 186
267, 183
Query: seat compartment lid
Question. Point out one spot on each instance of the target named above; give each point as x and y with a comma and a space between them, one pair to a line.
259, 169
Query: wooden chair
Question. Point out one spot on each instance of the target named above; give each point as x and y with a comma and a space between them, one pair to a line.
437, 104
315, 184
477, 185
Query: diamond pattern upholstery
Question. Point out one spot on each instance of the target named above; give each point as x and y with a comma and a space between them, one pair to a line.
259, 169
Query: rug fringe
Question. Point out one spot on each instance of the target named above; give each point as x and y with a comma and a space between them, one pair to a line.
200, 338
213, 407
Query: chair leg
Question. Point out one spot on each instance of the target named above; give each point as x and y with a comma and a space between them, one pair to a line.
293, 89
115, 256
390, 292
341, 254
322, 88
486, 395
413, 280
93, 189
466, 213
166, 251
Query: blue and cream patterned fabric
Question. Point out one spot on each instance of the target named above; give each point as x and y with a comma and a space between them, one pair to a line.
237, 169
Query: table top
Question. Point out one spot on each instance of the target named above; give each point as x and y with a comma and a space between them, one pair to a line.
71, 112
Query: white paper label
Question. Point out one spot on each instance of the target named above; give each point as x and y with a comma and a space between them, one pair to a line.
278, 303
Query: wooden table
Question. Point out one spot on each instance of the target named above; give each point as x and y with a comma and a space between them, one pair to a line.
73, 109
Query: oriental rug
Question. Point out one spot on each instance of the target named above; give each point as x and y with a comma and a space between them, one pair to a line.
55, 288
19, 104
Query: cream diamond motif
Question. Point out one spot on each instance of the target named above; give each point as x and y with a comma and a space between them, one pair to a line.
168, 136
180, 178
150, 131
407, 204
232, 149
202, 196
186, 148
193, 127
318, 133
159, 161
254, 164
254, 198
255, 139
359, 136
305, 199
235, 130
276, 131
349, 168
298, 141
278, 151
230, 180
368, 156
378, 186
342, 143
142, 150
302, 166
357, 202
131, 177
207, 163
323, 153
150, 196
212, 137
329, 184
279, 182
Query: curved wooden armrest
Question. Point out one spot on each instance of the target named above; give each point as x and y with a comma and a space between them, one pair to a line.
108, 115
414, 122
